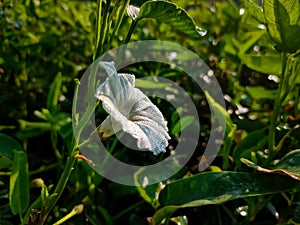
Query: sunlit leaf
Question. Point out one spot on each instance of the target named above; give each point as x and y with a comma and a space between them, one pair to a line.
221, 114
265, 64
255, 10
289, 165
182, 124
53, 95
251, 38
170, 14
180, 220
282, 18
150, 83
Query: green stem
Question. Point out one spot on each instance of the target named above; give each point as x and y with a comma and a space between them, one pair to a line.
83, 121
59, 188
21, 218
98, 28
5, 173
105, 28
45, 168
127, 39
102, 29
54, 145
277, 105
75, 211
117, 26
53, 198
230, 214
297, 101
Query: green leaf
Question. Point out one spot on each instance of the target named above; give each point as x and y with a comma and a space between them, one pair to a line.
53, 95
282, 18
49, 201
4, 162
216, 188
150, 192
182, 124
221, 115
250, 38
260, 93
266, 64
32, 129
170, 14
150, 83
289, 165
180, 220
255, 10
8, 145
253, 142
19, 183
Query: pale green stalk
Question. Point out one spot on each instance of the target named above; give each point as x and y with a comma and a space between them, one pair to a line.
277, 106
98, 28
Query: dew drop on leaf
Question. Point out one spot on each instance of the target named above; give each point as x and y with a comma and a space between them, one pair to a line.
201, 31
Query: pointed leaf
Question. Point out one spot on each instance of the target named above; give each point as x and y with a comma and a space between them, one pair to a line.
255, 10
282, 18
216, 188
150, 83
8, 145
251, 38
53, 95
182, 124
289, 165
170, 14
221, 113
19, 183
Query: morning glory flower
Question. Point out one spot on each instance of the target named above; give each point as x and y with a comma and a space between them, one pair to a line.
131, 111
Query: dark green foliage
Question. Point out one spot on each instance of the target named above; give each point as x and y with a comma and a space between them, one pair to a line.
252, 50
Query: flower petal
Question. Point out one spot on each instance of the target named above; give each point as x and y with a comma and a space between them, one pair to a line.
132, 111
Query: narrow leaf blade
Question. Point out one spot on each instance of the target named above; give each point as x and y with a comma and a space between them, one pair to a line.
19, 183
54, 94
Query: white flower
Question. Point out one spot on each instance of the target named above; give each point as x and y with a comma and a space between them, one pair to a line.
131, 111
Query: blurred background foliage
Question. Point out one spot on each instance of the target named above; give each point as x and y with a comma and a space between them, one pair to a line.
45, 45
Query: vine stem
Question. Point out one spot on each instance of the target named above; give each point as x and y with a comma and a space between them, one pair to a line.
277, 105
59, 188
119, 21
98, 28
126, 41
51, 200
